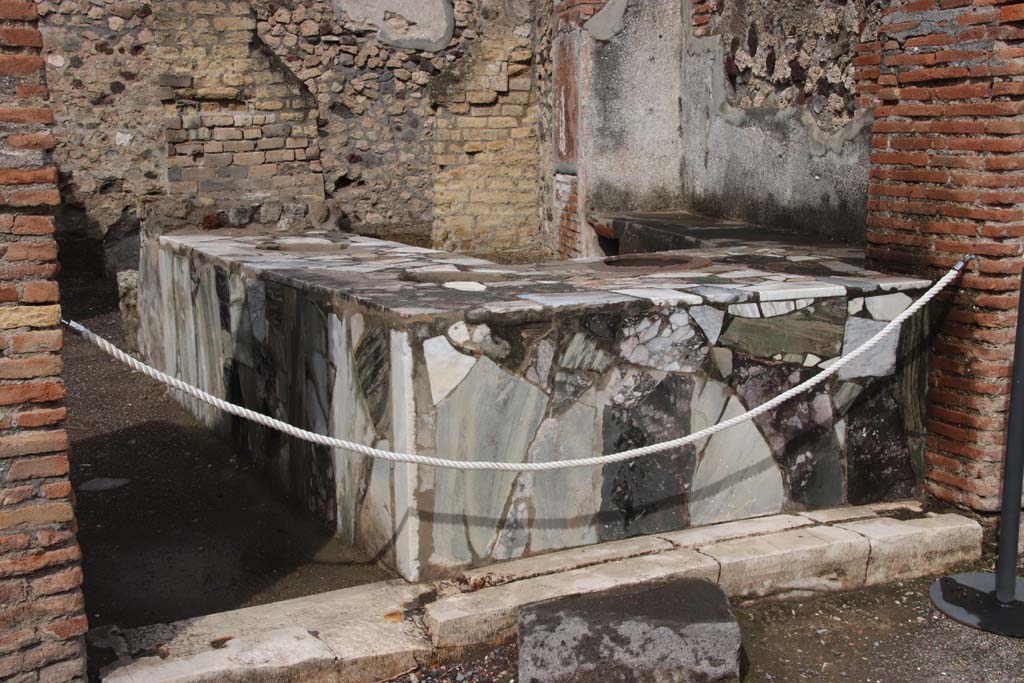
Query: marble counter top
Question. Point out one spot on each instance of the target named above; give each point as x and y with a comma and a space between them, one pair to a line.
415, 281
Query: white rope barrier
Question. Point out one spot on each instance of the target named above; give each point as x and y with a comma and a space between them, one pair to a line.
595, 461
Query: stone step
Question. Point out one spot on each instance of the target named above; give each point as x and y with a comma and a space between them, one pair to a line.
357, 634
783, 556
378, 631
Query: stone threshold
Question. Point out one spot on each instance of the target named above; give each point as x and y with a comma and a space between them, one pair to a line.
376, 632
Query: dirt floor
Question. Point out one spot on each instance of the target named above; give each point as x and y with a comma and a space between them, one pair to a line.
193, 531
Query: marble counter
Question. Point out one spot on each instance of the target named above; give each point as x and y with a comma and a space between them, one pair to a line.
424, 351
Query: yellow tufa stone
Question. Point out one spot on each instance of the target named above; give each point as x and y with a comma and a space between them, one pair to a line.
29, 316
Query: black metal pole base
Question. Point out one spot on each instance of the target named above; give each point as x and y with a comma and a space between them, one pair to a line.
971, 600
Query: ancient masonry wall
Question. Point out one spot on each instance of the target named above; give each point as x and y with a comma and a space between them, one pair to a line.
335, 109
486, 153
773, 84
945, 81
41, 606
241, 131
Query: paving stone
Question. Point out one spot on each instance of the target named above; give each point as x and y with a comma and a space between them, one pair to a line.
800, 562
677, 632
909, 549
348, 636
466, 620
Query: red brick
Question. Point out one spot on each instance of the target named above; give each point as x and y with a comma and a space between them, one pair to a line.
31, 392
20, 65
13, 496
20, 37
31, 176
59, 582
29, 443
40, 292
936, 74
900, 158
26, 198
33, 225
56, 490
36, 515
12, 640
18, 10
26, 115
26, 368
31, 141
935, 39
29, 92
1012, 13
30, 419
48, 538
977, 18
32, 251
68, 628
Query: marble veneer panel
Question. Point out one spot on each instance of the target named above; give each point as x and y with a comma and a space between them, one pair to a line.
421, 351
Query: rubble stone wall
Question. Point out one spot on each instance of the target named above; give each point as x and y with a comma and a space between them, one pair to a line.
159, 106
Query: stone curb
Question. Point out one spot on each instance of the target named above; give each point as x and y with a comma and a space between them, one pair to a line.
378, 631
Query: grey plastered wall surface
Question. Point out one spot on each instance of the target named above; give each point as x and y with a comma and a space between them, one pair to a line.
661, 133
632, 141
771, 167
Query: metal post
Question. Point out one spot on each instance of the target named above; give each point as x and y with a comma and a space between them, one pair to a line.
995, 603
1013, 473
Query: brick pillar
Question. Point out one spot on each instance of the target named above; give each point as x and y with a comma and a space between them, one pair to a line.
41, 605
945, 80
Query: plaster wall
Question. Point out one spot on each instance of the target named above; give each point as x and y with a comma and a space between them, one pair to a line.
670, 121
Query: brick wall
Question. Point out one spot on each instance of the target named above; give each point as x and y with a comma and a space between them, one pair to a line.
241, 129
41, 606
486, 155
566, 189
945, 81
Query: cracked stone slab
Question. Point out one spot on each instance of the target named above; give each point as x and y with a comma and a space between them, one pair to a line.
799, 562
564, 560
701, 536
347, 636
840, 514
488, 616
908, 549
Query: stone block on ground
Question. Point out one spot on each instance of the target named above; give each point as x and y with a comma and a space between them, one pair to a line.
727, 531
680, 631
796, 563
351, 635
902, 550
